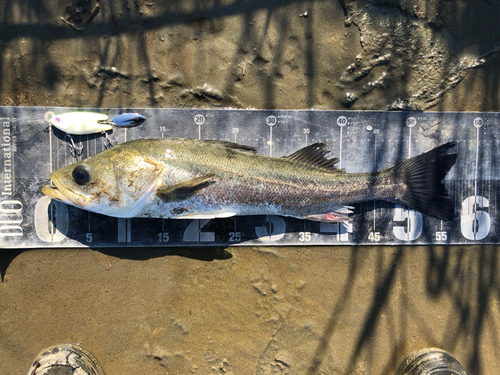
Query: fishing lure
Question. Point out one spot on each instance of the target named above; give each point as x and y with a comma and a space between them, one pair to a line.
84, 123
128, 120
81, 123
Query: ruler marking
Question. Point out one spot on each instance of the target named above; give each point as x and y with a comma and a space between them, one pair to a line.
340, 151
271, 141
407, 209
476, 165
375, 202
51, 224
409, 144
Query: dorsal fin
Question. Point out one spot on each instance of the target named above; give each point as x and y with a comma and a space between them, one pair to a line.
314, 156
233, 146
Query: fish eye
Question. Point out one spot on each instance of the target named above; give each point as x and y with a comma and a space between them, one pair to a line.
81, 174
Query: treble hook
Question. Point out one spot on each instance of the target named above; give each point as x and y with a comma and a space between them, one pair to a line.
110, 140
73, 148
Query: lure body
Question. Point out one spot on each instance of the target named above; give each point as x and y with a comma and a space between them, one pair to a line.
81, 123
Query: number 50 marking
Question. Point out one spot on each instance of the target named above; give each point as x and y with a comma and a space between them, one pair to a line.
414, 223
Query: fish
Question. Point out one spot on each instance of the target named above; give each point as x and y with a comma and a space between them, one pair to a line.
177, 178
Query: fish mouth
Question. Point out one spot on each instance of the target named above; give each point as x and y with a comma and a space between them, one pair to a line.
55, 193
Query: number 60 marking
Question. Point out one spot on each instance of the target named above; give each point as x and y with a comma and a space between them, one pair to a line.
475, 223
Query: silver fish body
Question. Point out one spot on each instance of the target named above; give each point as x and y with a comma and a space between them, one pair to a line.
184, 178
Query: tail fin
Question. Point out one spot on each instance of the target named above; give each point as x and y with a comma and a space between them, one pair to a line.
423, 175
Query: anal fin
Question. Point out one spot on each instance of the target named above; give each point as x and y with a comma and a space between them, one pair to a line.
336, 216
186, 189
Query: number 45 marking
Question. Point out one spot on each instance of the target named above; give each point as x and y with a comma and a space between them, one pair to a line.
374, 236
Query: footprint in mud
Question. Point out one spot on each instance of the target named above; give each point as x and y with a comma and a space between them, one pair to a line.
174, 363
403, 52
291, 348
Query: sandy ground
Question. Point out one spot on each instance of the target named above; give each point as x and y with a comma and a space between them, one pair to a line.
300, 310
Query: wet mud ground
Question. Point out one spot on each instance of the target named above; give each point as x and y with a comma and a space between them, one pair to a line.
267, 310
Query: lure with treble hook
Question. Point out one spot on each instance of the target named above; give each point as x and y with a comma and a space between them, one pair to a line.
84, 123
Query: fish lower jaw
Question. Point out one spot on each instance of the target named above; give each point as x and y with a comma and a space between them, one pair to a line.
54, 193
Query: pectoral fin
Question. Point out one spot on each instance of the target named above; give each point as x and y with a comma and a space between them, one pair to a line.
186, 189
